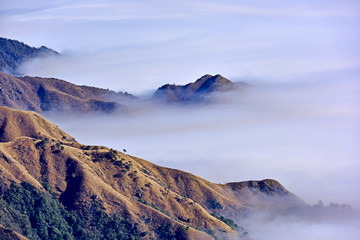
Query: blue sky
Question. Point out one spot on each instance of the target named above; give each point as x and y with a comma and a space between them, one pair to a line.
139, 45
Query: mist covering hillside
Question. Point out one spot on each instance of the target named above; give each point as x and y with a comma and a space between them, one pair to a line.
258, 98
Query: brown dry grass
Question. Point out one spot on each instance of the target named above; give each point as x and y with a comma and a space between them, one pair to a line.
45, 94
128, 185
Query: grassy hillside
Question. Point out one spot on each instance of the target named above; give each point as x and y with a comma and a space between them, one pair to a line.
46, 165
50, 94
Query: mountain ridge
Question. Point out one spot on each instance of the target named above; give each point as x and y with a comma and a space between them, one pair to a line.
198, 91
51, 94
126, 185
13, 53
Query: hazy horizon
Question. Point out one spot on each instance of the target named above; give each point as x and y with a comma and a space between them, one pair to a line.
139, 46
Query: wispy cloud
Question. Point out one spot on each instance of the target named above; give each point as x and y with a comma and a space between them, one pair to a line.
113, 10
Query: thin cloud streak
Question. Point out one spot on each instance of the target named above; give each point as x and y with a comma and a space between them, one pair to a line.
181, 8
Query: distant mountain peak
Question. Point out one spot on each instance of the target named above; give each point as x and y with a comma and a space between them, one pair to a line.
215, 83
196, 91
13, 53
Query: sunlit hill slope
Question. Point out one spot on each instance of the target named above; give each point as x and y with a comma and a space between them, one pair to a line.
37, 152
50, 94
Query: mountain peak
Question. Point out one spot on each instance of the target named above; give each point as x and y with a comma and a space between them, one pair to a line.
197, 91
13, 53
16, 123
215, 83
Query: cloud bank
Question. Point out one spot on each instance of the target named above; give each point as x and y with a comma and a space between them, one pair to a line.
303, 135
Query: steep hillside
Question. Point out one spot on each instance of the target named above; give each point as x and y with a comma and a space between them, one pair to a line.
50, 94
13, 53
197, 91
38, 159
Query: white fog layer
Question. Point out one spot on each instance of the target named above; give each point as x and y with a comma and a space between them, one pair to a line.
297, 123
303, 135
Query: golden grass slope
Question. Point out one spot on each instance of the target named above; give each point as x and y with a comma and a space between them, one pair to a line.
50, 94
35, 150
